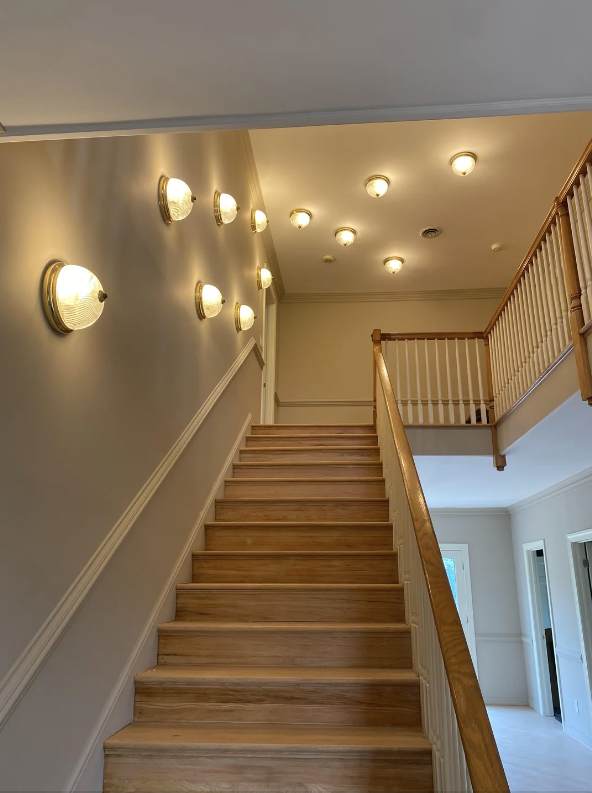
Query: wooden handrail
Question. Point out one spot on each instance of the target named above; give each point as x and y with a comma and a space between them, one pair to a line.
481, 753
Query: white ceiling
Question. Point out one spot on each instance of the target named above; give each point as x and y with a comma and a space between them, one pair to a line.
274, 62
522, 163
558, 447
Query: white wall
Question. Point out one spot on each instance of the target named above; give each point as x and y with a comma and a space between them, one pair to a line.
551, 516
500, 657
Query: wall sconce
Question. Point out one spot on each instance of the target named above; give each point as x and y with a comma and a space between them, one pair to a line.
243, 317
264, 278
259, 221
208, 300
225, 208
393, 264
345, 236
300, 218
174, 199
72, 297
376, 186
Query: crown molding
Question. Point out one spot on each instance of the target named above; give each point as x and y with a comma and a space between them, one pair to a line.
572, 483
298, 118
495, 293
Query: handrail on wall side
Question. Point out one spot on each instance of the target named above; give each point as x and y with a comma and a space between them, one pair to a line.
481, 752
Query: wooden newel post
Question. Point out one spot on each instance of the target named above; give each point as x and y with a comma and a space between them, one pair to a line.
376, 339
499, 460
576, 316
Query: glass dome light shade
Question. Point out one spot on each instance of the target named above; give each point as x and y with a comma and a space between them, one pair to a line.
345, 236
72, 297
175, 199
259, 221
376, 186
463, 163
225, 208
208, 300
393, 264
244, 317
300, 218
264, 278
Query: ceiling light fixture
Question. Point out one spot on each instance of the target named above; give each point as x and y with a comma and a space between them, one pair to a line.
174, 199
259, 221
208, 300
463, 163
300, 218
328, 258
72, 297
225, 208
345, 236
393, 264
376, 186
244, 317
264, 278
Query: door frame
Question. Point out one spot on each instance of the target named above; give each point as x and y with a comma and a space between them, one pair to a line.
270, 304
471, 639
541, 664
583, 607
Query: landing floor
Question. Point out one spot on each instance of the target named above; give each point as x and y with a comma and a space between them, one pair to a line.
537, 754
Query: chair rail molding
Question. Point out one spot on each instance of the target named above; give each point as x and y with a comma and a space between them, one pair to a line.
24, 670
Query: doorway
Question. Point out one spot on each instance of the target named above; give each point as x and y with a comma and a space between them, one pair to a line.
580, 553
543, 632
456, 563
268, 343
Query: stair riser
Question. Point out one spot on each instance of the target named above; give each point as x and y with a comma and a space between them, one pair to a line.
337, 704
278, 772
313, 429
310, 455
312, 471
293, 605
342, 648
295, 538
302, 511
263, 441
235, 488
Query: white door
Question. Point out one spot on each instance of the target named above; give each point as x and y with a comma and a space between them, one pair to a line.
456, 564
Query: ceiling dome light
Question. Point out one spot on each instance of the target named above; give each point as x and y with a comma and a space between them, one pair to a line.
243, 317
174, 198
300, 218
259, 221
376, 186
393, 264
72, 297
264, 278
345, 236
208, 300
225, 208
463, 163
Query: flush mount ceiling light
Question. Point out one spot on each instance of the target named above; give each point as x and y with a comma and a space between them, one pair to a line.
264, 278
174, 199
393, 264
463, 163
345, 236
259, 221
376, 186
225, 208
300, 218
208, 300
72, 297
243, 317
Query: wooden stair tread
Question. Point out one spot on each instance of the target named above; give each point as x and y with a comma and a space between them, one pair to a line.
268, 426
181, 738
188, 675
291, 586
338, 479
285, 464
315, 499
186, 626
287, 554
293, 524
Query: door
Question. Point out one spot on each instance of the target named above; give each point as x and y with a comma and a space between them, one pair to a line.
456, 564
581, 569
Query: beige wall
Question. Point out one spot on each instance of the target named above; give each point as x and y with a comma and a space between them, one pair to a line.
325, 353
88, 417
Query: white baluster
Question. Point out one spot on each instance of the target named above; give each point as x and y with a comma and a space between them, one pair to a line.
386, 355
534, 324
499, 338
450, 402
554, 303
482, 407
409, 405
461, 403
504, 345
419, 399
522, 345
587, 237
472, 413
397, 356
526, 334
578, 252
548, 300
494, 357
555, 252
439, 386
516, 387
548, 356
428, 384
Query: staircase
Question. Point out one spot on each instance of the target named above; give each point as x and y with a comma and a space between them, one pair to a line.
288, 666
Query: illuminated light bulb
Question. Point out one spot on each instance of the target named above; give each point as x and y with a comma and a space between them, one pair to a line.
244, 317
345, 236
264, 278
174, 198
463, 163
376, 186
208, 300
393, 264
259, 221
73, 297
225, 208
300, 218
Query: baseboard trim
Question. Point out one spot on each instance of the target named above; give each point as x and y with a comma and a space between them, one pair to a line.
507, 701
499, 638
27, 666
97, 734
578, 735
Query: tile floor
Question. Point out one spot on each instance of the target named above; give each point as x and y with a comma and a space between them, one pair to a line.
537, 754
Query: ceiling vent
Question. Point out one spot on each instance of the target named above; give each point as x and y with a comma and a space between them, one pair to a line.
430, 232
